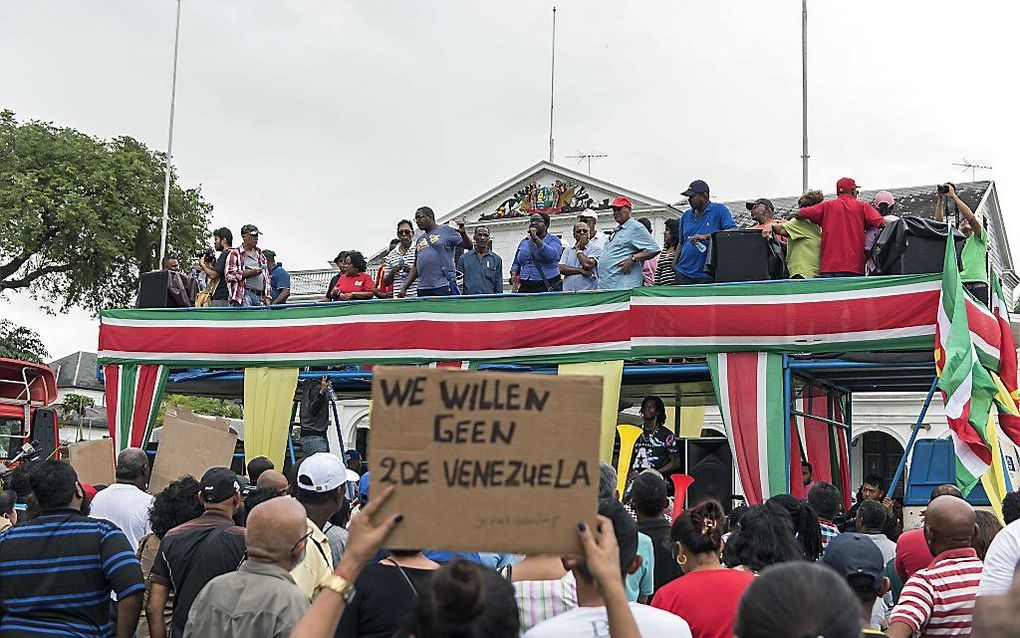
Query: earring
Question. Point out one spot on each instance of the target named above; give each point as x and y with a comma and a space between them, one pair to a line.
681, 560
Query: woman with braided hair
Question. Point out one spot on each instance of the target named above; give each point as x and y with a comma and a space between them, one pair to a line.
706, 596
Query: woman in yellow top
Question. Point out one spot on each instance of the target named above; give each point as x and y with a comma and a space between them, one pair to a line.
974, 271
804, 243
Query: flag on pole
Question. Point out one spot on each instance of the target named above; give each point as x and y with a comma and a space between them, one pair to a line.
967, 388
749, 389
1008, 419
133, 395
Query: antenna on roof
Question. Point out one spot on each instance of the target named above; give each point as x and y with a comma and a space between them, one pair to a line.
973, 168
580, 157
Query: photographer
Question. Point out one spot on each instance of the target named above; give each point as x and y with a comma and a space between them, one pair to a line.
213, 268
975, 249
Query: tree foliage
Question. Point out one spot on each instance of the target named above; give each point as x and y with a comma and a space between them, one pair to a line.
199, 405
19, 342
80, 217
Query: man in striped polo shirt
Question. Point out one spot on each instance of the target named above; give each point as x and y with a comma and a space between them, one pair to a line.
57, 571
939, 599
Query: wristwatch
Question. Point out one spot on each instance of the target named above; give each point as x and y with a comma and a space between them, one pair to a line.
340, 585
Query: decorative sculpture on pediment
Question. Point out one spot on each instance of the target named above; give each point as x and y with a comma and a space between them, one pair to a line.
558, 197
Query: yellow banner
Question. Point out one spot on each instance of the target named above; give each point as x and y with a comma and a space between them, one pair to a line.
692, 420
994, 479
612, 376
268, 399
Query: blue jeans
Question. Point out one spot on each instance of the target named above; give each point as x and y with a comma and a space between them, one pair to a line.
313, 443
252, 298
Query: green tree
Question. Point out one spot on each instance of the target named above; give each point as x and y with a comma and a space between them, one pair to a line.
74, 408
19, 342
199, 405
80, 217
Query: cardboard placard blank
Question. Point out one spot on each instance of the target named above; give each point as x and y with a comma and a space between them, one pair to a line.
93, 461
493, 462
189, 448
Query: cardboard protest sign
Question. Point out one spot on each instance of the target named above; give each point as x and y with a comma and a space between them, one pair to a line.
189, 448
93, 461
486, 461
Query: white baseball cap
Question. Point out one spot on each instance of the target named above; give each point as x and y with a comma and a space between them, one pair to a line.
321, 472
352, 476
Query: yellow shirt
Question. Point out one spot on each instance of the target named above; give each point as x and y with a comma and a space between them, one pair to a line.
317, 565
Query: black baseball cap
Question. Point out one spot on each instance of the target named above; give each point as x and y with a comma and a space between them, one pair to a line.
750, 205
697, 186
219, 484
852, 554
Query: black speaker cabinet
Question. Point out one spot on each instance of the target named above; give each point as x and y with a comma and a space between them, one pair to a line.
154, 291
920, 255
44, 430
710, 462
740, 255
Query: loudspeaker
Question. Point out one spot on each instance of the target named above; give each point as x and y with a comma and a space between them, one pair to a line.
740, 255
154, 291
710, 462
920, 255
44, 430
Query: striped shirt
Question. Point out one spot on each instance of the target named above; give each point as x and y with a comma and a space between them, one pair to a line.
540, 600
57, 572
939, 599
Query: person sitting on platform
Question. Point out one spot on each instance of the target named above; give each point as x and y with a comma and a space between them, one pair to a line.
804, 240
696, 228
975, 249
627, 248
843, 221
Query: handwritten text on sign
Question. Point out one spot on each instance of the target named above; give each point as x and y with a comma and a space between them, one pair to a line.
485, 461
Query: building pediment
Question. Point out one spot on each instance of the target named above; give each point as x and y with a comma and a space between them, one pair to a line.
549, 188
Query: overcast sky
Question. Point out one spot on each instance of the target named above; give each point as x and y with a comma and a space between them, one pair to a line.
324, 122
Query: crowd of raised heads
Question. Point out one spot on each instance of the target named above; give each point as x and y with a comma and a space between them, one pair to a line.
304, 555
821, 238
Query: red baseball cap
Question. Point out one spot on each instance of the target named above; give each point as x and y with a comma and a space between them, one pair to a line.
621, 202
845, 185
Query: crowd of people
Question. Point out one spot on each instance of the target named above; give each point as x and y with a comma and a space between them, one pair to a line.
822, 238
264, 554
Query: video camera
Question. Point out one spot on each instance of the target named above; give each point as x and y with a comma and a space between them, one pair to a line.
208, 255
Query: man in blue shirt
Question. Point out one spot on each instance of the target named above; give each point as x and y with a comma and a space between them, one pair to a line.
628, 246
434, 249
278, 278
482, 269
536, 263
57, 571
579, 263
696, 228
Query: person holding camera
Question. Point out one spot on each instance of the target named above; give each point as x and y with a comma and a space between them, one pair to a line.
215, 291
974, 257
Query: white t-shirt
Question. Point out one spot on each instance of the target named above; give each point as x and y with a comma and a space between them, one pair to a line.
127, 507
592, 622
1001, 561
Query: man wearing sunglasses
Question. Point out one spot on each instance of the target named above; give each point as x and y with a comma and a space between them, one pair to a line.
579, 263
400, 259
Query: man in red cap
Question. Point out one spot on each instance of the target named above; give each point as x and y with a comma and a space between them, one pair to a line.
628, 246
843, 221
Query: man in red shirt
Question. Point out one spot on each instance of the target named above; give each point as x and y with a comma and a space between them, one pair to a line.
843, 221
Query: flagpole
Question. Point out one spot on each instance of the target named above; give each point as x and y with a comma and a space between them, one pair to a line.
913, 437
170, 141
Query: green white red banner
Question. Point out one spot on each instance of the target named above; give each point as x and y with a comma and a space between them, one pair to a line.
133, 395
821, 315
